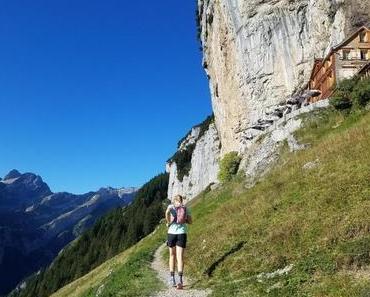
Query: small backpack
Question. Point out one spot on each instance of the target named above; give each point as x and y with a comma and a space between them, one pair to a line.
181, 216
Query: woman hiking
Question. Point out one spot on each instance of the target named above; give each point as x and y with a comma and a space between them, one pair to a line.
177, 218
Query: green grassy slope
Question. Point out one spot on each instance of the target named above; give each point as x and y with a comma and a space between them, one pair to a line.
313, 222
127, 274
316, 219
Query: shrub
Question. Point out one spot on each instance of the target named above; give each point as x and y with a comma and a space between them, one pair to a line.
351, 92
229, 165
343, 95
347, 85
182, 158
341, 100
361, 93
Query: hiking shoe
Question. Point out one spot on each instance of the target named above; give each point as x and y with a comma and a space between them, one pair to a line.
179, 286
172, 282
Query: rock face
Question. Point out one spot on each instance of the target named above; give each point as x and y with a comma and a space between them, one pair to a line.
263, 151
36, 223
258, 56
203, 163
258, 53
12, 174
19, 190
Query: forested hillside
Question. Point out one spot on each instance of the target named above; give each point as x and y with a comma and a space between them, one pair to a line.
112, 234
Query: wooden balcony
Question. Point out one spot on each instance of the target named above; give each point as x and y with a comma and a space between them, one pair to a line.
364, 45
324, 76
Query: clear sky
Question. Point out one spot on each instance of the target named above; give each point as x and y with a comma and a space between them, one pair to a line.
96, 93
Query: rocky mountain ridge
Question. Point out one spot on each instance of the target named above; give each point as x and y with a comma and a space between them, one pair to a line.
36, 223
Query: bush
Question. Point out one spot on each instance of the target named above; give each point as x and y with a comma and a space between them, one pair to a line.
182, 158
351, 92
229, 165
361, 93
340, 101
347, 85
342, 98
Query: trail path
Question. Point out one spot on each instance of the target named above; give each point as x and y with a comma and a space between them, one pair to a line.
163, 275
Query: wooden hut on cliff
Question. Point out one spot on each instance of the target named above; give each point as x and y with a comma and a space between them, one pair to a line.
349, 58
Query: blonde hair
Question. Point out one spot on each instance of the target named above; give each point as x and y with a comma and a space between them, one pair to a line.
178, 198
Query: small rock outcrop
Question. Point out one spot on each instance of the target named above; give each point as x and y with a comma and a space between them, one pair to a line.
195, 164
263, 151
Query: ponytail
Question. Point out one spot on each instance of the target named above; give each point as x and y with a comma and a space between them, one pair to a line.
178, 198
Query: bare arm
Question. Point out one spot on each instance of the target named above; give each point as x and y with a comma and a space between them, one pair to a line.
168, 215
189, 220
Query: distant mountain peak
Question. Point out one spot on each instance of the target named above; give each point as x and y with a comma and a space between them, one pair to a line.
124, 190
12, 174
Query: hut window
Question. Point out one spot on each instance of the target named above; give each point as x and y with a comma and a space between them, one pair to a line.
362, 36
346, 54
363, 54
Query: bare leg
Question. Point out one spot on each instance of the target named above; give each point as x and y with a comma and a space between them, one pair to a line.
172, 258
180, 258
180, 265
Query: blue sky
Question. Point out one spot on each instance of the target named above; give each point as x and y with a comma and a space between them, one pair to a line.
97, 93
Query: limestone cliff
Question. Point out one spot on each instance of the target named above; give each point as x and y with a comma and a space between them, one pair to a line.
258, 53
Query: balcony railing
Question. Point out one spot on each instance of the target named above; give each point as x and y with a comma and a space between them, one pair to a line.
354, 59
364, 44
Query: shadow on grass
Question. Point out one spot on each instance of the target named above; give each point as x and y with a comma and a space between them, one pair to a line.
209, 271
